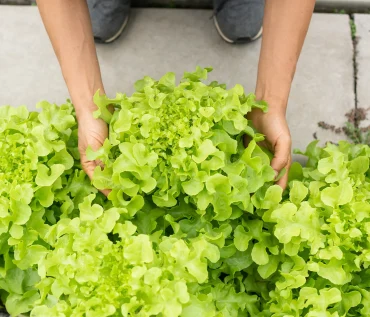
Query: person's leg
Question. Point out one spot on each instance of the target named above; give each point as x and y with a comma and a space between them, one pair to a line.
238, 21
109, 18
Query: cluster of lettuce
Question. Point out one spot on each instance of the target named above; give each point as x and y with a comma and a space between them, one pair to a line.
193, 225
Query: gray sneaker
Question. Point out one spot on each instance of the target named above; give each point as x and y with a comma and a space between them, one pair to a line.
238, 21
109, 18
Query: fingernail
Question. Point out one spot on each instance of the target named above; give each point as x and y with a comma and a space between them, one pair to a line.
276, 174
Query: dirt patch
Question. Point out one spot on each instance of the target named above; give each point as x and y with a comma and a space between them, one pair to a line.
351, 129
355, 116
327, 126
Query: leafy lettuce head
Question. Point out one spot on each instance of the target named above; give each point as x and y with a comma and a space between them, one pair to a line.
33, 158
174, 238
40, 182
167, 140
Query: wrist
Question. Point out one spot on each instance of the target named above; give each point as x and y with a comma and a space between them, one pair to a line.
274, 90
84, 110
84, 105
277, 103
82, 89
276, 108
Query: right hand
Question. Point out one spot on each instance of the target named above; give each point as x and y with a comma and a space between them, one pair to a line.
91, 132
274, 126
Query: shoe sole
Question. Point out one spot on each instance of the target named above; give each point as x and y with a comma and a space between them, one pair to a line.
115, 36
226, 39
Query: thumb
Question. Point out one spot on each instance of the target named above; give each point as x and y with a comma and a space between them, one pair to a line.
282, 154
89, 168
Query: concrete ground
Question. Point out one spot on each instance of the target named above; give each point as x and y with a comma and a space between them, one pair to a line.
161, 40
362, 22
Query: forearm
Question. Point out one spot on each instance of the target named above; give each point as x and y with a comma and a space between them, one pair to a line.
285, 27
69, 28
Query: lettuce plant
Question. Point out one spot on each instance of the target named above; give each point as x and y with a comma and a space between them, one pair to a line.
193, 226
40, 182
324, 229
167, 140
135, 273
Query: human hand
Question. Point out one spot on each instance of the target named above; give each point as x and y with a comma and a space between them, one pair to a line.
274, 126
91, 132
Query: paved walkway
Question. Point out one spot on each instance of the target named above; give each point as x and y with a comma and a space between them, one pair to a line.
362, 22
161, 40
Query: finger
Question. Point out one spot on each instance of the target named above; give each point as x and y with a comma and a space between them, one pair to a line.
282, 160
247, 138
99, 163
281, 154
89, 168
105, 192
283, 182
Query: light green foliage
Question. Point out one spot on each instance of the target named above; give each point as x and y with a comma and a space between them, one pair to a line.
38, 186
194, 225
167, 140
